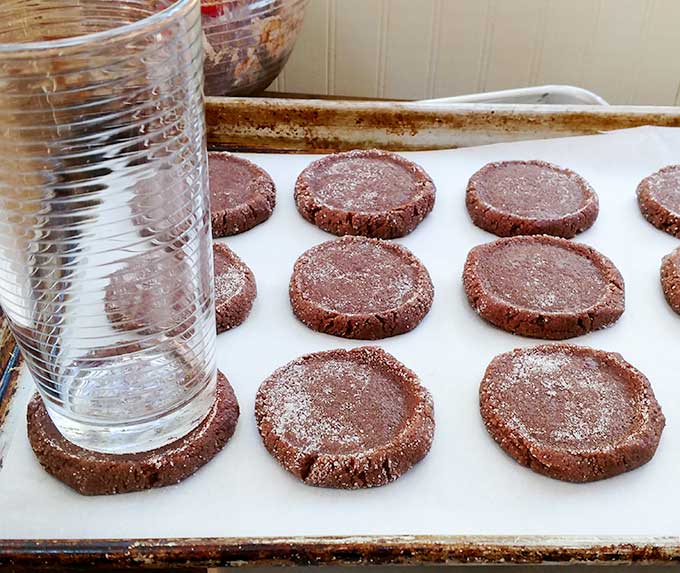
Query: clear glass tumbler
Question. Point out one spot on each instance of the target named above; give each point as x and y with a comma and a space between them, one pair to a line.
105, 246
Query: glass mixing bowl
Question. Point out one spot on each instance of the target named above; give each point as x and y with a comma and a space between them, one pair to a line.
247, 42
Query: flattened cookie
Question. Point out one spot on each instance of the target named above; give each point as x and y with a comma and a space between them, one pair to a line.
511, 198
166, 218
543, 287
235, 288
569, 412
96, 473
147, 294
659, 199
345, 418
242, 195
670, 279
360, 288
371, 193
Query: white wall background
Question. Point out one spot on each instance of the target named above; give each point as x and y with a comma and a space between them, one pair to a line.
625, 50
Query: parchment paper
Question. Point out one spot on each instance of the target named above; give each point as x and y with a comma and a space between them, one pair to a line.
466, 485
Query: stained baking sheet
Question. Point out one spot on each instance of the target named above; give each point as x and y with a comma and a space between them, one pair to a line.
466, 485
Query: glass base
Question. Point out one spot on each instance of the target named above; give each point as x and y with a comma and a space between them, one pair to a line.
148, 434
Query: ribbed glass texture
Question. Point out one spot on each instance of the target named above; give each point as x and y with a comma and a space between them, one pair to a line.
247, 43
105, 248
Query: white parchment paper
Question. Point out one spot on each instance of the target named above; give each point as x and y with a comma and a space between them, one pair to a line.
466, 485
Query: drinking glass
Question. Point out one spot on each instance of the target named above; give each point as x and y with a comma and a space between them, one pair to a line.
105, 243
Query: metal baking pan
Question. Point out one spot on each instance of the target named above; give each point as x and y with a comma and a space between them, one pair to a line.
320, 126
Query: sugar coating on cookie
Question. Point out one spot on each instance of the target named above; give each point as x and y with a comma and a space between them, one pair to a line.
570, 412
511, 198
242, 195
147, 294
365, 192
360, 288
345, 418
235, 288
543, 287
670, 279
659, 199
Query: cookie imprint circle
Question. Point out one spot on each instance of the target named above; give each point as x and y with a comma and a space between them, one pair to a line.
543, 287
360, 288
569, 412
235, 288
345, 418
365, 192
509, 198
242, 194
670, 279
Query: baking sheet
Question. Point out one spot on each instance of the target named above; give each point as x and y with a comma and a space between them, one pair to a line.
466, 485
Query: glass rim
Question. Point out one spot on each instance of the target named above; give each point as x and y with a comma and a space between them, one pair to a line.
146, 24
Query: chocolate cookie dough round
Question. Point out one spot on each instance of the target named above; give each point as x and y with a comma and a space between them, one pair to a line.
670, 279
345, 418
543, 287
242, 195
659, 199
569, 412
165, 218
371, 193
509, 198
148, 294
235, 288
96, 473
360, 288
